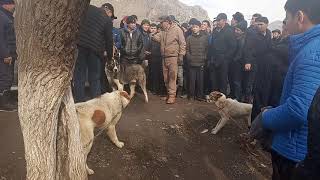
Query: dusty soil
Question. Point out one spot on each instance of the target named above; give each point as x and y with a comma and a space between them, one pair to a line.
161, 143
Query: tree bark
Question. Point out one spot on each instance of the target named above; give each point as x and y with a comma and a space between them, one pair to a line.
46, 45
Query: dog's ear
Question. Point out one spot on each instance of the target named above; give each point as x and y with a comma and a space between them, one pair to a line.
216, 95
125, 94
99, 117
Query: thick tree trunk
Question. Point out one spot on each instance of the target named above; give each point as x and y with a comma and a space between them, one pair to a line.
46, 33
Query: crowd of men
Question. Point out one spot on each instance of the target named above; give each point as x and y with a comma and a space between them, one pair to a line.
278, 71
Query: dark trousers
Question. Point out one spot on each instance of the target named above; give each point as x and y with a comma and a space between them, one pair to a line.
235, 80
105, 87
87, 60
262, 90
247, 85
196, 82
307, 171
207, 82
283, 168
276, 90
219, 77
6, 75
156, 76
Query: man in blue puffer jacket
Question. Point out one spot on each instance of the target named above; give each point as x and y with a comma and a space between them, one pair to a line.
288, 122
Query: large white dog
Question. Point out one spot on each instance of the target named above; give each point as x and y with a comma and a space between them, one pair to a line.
103, 112
228, 108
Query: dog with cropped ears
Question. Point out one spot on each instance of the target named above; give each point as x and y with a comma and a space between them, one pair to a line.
103, 113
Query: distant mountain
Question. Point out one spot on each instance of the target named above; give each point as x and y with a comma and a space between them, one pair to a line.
153, 9
275, 25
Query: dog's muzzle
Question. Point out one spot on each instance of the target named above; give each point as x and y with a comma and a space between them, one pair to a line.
115, 70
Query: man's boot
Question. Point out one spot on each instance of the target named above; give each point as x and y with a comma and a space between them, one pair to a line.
171, 99
5, 104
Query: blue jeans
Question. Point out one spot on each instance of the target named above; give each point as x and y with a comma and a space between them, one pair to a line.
87, 60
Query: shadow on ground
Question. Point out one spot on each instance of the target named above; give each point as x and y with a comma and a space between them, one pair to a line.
161, 143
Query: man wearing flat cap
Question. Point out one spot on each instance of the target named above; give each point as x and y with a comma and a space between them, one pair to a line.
8, 53
173, 49
221, 52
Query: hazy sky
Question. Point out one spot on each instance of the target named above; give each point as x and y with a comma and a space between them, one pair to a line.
273, 9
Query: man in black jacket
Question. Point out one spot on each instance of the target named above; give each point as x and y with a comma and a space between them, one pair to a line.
236, 67
155, 64
249, 74
222, 50
8, 53
95, 41
132, 43
259, 47
105, 87
279, 66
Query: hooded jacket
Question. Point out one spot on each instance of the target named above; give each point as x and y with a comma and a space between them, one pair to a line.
172, 42
288, 121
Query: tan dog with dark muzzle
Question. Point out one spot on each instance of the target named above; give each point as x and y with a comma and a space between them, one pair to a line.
103, 112
133, 74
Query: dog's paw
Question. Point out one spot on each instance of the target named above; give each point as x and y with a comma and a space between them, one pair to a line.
214, 131
90, 171
120, 144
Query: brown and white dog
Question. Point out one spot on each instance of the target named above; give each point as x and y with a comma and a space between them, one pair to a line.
228, 108
133, 74
103, 112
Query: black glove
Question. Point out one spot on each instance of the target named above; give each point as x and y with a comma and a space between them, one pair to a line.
257, 132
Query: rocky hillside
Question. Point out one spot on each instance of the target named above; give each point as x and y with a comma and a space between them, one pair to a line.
153, 9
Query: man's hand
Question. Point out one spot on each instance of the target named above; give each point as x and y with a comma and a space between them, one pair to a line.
7, 60
180, 60
147, 53
247, 67
146, 63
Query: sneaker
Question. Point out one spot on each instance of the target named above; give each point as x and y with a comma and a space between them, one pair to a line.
185, 96
6, 104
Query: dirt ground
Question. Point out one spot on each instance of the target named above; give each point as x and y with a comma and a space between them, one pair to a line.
161, 143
